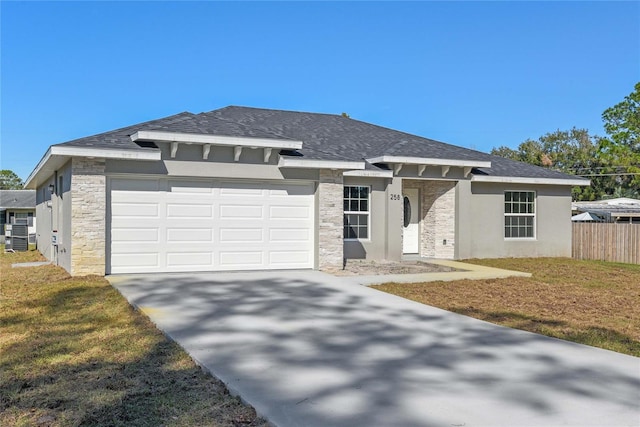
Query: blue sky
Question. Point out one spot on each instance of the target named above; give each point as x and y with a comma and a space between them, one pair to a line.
474, 74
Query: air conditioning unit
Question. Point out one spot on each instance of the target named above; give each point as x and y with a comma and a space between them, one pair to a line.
17, 237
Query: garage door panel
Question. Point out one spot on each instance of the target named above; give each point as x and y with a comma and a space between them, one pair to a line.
289, 212
186, 211
240, 211
241, 259
288, 257
290, 235
141, 259
132, 209
241, 235
186, 225
135, 234
193, 259
195, 234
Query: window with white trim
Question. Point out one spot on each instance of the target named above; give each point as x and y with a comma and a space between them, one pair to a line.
356, 212
519, 214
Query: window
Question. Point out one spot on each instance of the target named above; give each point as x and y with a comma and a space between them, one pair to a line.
356, 212
519, 214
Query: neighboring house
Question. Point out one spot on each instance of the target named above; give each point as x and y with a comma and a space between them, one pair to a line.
246, 188
18, 206
622, 210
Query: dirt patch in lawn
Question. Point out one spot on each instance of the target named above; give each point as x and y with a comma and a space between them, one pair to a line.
589, 302
359, 267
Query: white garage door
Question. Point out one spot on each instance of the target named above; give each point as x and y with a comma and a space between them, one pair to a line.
174, 225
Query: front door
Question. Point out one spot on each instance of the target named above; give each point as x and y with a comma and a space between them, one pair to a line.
411, 226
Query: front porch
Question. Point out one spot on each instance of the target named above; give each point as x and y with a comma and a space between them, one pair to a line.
429, 218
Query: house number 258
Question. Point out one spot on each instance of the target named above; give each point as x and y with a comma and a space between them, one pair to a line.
395, 197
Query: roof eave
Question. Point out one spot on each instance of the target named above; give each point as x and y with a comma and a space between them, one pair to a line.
530, 180
57, 155
430, 161
204, 139
287, 162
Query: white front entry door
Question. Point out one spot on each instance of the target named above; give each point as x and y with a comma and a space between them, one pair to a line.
172, 225
411, 226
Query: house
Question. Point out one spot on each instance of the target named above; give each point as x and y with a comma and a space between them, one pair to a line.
621, 210
247, 188
16, 207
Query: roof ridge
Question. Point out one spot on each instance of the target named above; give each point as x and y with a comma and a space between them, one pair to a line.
275, 110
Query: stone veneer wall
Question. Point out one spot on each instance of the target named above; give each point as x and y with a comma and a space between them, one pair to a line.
330, 219
88, 213
437, 213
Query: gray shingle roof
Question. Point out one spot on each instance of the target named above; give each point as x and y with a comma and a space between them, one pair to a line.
324, 137
506, 167
17, 199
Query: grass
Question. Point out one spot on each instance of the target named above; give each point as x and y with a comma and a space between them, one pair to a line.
589, 302
73, 352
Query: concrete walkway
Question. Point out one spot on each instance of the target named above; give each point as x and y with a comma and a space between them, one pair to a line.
30, 264
309, 349
465, 271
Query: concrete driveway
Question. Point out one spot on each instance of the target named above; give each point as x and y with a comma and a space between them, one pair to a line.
309, 349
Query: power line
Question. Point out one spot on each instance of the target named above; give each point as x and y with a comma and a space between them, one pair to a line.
610, 174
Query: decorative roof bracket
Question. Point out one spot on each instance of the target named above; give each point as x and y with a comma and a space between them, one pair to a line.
237, 150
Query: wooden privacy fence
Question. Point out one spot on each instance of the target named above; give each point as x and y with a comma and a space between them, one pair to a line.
606, 242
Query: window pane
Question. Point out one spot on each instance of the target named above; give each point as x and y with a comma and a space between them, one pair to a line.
507, 196
507, 208
356, 199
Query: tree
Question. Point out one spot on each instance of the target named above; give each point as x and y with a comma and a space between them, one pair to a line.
9, 180
622, 147
611, 163
574, 152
